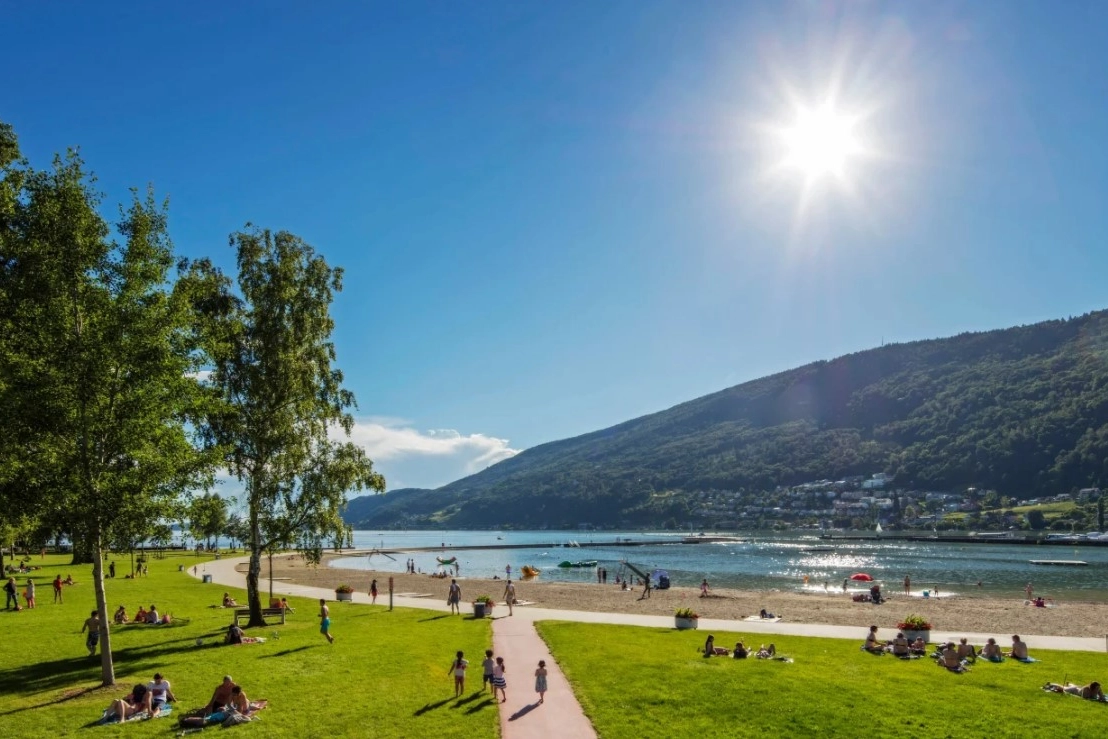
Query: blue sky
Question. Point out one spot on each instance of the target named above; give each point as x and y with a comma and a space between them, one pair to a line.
558, 216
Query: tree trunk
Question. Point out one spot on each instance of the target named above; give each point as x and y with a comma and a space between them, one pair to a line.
82, 550
107, 667
253, 597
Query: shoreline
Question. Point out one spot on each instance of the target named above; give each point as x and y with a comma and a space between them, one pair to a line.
970, 614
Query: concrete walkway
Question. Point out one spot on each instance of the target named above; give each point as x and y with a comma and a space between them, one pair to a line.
515, 639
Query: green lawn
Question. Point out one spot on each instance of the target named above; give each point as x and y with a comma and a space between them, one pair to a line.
637, 682
385, 676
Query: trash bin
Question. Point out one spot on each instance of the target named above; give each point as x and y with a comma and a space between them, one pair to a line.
206, 578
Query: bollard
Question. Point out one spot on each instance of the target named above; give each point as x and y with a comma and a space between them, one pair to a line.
390, 600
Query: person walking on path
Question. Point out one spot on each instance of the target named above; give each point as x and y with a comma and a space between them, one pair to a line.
29, 593
458, 667
907, 585
510, 597
325, 620
454, 597
486, 670
12, 599
92, 625
540, 680
58, 589
373, 592
498, 681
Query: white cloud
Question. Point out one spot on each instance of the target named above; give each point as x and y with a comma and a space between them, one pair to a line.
408, 457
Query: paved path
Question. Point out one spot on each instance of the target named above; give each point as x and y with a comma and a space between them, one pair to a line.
514, 638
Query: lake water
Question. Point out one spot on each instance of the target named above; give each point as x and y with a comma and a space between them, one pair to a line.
760, 561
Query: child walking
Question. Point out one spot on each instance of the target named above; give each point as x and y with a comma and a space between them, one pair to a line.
458, 667
498, 681
540, 680
486, 667
325, 620
30, 594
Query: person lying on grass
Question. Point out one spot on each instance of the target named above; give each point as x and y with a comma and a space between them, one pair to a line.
139, 700
711, 650
1090, 692
765, 652
1019, 649
228, 601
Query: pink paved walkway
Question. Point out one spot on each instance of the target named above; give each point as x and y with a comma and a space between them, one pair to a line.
522, 716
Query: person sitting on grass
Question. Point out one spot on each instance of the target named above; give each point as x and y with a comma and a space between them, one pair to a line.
228, 601
741, 652
243, 705
919, 646
160, 693
137, 701
711, 650
991, 651
140, 615
1090, 692
900, 646
152, 616
120, 616
872, 645
966, 651
1019, 649
949, 658
221, 698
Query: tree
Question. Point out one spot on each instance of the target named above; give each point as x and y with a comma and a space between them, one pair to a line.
272, 366
98, 354
207, 515
1036, 520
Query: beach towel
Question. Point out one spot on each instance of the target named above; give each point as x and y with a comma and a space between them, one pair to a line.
105, 719
1026, 661
759, 619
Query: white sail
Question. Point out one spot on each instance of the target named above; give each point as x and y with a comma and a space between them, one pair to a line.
878, 527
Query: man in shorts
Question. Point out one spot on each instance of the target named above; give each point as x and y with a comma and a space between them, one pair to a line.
92, 625
454, 597
160, 693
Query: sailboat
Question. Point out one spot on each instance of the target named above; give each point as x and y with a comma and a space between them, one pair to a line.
878, 529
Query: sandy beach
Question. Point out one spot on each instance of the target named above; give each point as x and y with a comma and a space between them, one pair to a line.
1002, 616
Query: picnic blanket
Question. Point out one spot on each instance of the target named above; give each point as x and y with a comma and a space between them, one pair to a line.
759, 619
105, 719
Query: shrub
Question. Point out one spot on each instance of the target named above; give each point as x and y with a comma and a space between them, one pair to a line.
487, 599
686, 613
912, 622
344, 589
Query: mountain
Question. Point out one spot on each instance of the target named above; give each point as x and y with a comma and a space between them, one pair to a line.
1022, 410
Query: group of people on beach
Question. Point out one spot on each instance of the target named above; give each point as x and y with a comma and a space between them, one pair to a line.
741, 651
953, 656
493, 670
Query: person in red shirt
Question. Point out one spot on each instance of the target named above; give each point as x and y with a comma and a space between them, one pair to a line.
57, 588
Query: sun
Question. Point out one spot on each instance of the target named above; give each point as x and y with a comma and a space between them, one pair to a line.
821, 142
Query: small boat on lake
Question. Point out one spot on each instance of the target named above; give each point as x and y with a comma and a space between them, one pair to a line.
582, 563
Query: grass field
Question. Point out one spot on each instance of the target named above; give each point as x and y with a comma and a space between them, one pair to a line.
385, 676
637, 682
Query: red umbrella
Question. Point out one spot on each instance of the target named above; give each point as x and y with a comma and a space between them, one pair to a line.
861, 577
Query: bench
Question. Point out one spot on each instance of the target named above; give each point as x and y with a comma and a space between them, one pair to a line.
245, 613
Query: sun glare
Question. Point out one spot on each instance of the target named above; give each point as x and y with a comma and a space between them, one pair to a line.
821, 142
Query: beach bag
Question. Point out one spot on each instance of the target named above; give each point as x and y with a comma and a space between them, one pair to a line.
235, 719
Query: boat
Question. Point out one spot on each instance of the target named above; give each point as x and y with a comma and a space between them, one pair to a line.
582, 563
446, 560
529, 571
1059, 562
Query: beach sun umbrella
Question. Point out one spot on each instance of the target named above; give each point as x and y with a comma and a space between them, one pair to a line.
861, 577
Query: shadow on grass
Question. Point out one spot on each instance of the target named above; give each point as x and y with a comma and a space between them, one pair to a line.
68, 696
427, 707
523, 711
435, 618
286, 652
61, 673
472, 697
479, 706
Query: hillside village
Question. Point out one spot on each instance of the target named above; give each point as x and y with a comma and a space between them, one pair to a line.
862, 502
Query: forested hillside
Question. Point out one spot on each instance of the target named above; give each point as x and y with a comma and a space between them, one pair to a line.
1022, 410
